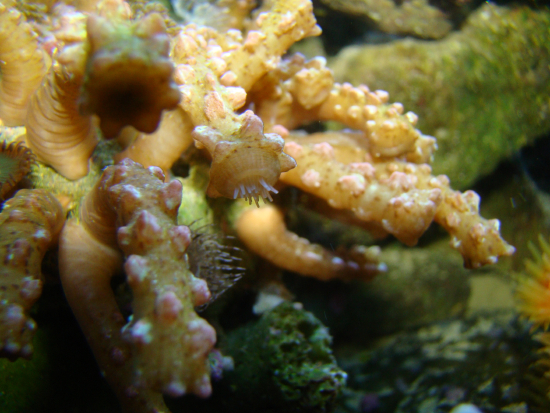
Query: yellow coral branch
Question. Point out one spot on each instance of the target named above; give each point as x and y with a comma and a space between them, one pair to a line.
131, 208
263, 231
29, 224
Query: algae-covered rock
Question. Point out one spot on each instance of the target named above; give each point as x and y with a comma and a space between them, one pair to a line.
483, 91
283, 363
421, 286
480, 360
418, 18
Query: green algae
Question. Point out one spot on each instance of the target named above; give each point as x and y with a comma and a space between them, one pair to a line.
194, 204
284, 362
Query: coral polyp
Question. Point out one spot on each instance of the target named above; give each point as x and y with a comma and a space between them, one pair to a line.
246, 165
534, 290
15, 162
128, 78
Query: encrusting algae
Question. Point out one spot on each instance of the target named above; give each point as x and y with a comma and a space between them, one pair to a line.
126, 71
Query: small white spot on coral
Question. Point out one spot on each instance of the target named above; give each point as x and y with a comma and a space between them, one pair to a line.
365, 168
141, 332
311, 178
175, 389
324, 149
41, 233
355, 183
136, 269
168, 306
293, 149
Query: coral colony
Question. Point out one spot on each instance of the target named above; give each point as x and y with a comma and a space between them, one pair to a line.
75, 75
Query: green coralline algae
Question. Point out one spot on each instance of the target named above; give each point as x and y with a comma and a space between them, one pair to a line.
283, 362
194, 207
483, 92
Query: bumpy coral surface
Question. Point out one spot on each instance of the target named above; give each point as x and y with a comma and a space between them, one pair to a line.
29, 224
165, 343
116, 70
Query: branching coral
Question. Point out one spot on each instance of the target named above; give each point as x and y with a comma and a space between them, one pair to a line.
164, 346
238, 100
403, 198
216, 72
264, 232
29, 224
380, 174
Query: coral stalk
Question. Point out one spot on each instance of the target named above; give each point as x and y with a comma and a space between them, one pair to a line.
132, 209
402, 197
164, 145
263, 231
86, 269
29, 224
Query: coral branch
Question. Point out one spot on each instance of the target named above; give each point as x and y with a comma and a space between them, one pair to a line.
403, 197
133, 209
308, 93
403, 209
263, 231
86, 268
29, 224
215, 71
